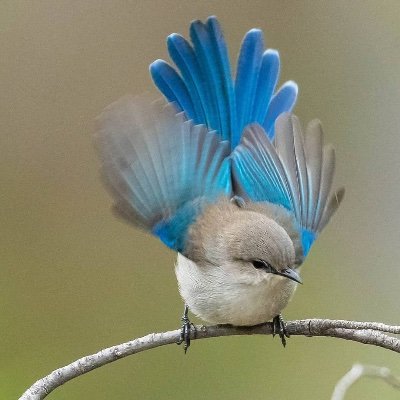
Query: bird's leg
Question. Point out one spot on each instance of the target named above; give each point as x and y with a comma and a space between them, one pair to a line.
279, 328
185, 329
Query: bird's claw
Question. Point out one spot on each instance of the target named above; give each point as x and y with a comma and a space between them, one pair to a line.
279, 328
185, 330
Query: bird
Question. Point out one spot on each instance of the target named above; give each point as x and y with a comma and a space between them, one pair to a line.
222, 172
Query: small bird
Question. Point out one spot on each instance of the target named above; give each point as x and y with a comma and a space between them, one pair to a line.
221, 172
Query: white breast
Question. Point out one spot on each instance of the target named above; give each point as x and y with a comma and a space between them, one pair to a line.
217, 296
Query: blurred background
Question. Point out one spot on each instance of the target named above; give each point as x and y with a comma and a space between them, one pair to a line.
75, 280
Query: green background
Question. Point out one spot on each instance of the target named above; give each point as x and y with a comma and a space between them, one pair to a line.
74, 279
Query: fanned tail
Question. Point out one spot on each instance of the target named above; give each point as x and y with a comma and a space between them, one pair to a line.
204, 88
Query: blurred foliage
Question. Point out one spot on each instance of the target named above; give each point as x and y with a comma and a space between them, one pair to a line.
74, 279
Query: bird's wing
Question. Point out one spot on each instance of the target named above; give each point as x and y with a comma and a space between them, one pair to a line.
203, 87
159, 167
294, 171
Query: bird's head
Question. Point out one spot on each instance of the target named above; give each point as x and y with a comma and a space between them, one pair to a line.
259, 248
249, 245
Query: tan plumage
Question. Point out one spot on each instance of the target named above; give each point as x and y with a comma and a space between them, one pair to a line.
218, 280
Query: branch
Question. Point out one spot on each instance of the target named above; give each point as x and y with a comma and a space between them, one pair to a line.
357, 372
372, 333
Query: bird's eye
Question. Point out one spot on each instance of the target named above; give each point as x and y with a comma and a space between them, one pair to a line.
259, 264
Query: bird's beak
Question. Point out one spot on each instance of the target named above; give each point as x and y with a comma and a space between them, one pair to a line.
290, 274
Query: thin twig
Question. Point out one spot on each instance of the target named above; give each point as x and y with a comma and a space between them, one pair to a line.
357, 372
362, 332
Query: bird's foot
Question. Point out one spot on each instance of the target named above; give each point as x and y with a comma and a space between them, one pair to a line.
279, 328
186, 330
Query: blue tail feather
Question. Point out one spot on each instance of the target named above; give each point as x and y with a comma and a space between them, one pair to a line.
267, 80
283, 101
227, 96
248, 69
208, 58
171, 85
185, 59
